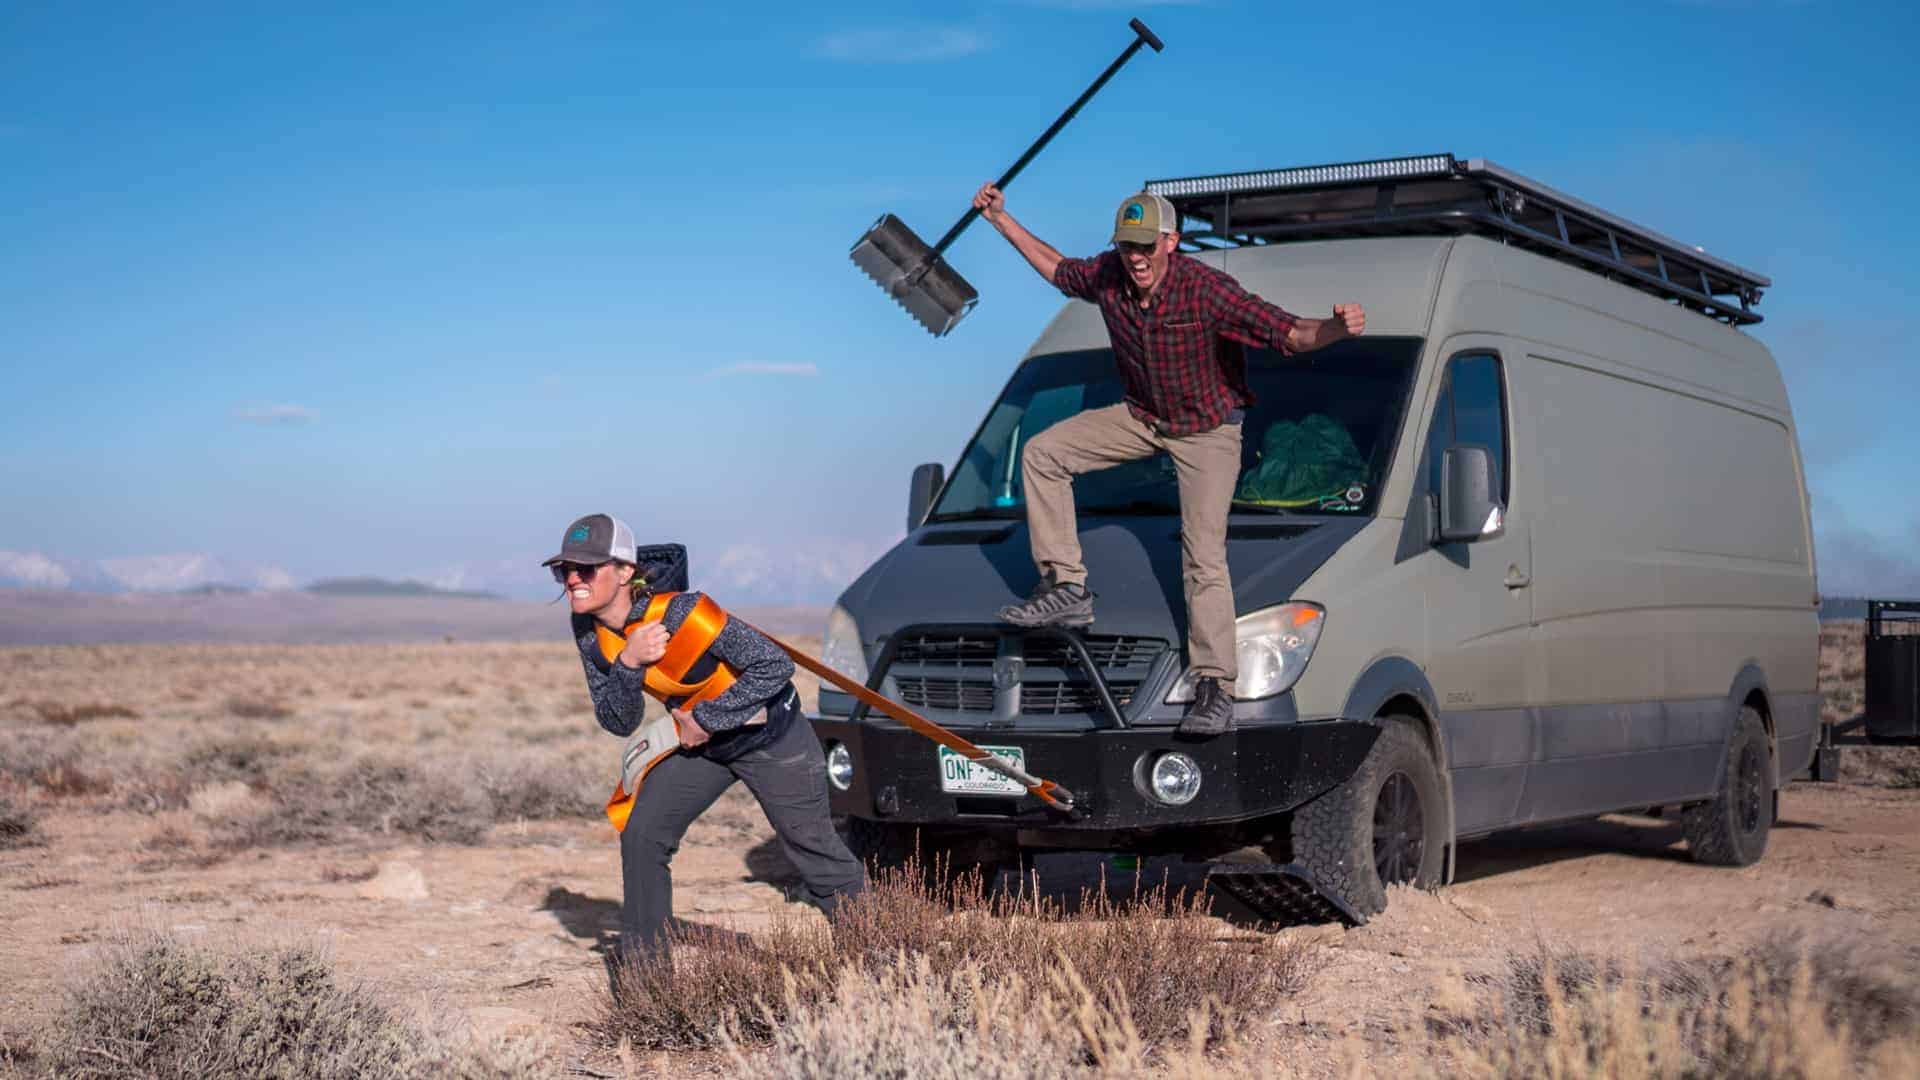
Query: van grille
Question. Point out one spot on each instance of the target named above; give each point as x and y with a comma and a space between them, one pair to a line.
1046, 699
1107, 652
928, 650
953, 672
953, 695
949, 650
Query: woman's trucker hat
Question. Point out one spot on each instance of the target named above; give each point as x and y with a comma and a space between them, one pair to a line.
595, 539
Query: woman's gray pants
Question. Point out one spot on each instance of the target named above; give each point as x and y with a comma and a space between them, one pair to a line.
788, 777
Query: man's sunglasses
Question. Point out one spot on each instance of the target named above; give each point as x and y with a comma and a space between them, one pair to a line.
1127, 247
561, 570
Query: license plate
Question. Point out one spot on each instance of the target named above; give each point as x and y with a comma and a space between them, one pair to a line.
960, 775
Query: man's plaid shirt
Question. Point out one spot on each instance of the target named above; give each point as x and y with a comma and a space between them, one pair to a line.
1179, 358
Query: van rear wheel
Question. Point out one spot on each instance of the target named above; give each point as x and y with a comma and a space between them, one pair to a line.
1384, 826
1732, 829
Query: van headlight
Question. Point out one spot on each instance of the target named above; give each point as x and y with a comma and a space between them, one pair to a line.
1273, 646
841, 650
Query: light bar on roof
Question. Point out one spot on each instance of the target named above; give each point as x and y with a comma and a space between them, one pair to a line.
1308, 176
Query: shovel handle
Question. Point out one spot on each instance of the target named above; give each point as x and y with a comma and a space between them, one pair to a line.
1141, 36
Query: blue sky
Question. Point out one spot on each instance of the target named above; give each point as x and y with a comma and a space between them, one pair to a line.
401, 289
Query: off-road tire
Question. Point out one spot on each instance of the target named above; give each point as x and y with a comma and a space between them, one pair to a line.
1731, 829
1334, 835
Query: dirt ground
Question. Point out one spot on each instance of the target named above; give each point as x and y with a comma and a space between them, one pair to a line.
509, 930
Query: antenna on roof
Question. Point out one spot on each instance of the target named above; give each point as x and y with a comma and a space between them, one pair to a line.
1441, 195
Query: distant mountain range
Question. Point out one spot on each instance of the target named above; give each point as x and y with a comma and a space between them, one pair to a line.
373, 586
796, 572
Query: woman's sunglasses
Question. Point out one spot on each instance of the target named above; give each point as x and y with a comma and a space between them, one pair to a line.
561, 570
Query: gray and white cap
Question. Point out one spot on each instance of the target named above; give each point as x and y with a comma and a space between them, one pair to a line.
595, 539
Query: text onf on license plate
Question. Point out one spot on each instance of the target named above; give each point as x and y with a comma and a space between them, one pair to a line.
961, 776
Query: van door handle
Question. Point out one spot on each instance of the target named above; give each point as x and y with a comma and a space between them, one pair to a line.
1518, 578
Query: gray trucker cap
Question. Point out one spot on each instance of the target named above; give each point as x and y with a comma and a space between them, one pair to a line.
595, 539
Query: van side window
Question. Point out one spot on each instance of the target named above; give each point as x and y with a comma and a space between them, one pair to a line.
1471, 409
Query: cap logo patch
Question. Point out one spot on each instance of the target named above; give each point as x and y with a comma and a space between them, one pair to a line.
580, 534
1134, 214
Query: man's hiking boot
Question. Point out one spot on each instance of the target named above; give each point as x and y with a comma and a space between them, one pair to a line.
1211, 713
1052, 605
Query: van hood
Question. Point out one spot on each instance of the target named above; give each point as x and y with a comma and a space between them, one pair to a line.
962, 572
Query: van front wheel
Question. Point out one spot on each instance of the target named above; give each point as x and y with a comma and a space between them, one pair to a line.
1384, 826
1732, 829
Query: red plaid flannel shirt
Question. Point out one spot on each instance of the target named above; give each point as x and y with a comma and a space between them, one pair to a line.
1180, 358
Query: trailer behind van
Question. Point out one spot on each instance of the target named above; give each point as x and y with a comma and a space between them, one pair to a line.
1535, 548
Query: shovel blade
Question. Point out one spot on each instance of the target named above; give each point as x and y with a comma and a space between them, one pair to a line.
924, 284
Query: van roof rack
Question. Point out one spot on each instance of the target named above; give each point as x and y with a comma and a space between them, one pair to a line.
1441, 195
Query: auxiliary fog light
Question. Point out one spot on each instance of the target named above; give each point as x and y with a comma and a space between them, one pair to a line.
840, 765
1174, 779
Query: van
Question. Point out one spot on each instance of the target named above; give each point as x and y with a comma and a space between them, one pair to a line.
1534, 548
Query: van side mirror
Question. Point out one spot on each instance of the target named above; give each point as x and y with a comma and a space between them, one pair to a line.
1468, 508
921, 490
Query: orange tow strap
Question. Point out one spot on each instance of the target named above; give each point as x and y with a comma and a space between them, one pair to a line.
664, 677
689, 643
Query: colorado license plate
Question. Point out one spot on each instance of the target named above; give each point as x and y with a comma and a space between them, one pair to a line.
959, 775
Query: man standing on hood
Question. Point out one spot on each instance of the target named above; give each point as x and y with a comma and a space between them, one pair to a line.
753, 732
1177, 326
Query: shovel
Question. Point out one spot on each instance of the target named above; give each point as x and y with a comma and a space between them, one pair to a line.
914, 274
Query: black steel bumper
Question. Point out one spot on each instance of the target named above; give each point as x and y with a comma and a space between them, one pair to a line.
1249, 773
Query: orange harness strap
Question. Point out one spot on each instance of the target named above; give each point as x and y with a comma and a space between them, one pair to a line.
665, 678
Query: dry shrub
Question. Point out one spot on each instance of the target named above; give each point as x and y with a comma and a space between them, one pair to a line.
911, 1022
551, 786
247, 758
51, 764
62, 715
252, 708
152, 1005
226, 800
19, 825
1775, 1011
1156, 956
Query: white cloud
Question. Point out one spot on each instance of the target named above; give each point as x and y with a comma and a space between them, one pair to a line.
274, 414
162, 573
273, 579
808, 369
34, 569
903, 44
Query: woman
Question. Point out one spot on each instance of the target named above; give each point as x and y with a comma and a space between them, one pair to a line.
753, 732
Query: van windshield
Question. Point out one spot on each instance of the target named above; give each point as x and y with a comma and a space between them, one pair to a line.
1317, 440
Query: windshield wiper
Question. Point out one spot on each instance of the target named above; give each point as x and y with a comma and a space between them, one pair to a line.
1138, 507
984, 513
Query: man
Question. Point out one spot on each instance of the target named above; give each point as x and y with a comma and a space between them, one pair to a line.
1170, 319
752, 732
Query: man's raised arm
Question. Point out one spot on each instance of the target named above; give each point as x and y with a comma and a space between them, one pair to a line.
993, 207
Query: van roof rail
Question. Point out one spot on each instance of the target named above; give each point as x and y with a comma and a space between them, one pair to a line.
1441, 195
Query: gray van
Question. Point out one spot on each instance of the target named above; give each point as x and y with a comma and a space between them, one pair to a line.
1534, 548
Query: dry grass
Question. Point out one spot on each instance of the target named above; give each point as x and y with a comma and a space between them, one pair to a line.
60, 714
152, 1005
19, 825
1156, 956
1775, 1011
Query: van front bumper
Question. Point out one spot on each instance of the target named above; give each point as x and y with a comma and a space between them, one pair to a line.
1251, 772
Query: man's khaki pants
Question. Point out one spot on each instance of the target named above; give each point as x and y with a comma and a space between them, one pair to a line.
1207, 465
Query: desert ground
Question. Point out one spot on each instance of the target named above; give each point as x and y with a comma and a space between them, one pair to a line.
428, 813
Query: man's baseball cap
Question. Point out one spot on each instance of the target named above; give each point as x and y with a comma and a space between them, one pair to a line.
595, 539
1143, 217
